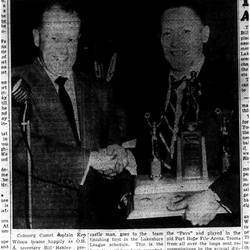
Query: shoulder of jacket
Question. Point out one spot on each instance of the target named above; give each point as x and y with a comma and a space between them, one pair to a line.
31, 73
20, 69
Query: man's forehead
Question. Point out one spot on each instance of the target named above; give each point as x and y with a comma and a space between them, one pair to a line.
57, 18
62, 26
180, 15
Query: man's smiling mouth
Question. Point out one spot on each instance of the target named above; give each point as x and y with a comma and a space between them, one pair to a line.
178, 52
57, 58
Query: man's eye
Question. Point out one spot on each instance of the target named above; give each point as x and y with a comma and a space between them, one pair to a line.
54, 38
166, 34
187, 31
71, 40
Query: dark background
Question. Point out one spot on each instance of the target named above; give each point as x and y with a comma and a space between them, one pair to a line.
131, 29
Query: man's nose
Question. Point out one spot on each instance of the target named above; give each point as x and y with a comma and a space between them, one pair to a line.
176, 39
63, 47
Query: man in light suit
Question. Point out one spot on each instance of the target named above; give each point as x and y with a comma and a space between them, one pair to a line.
183, 35
74, 134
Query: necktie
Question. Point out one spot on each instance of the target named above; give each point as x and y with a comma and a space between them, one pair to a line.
166, 129
67, 105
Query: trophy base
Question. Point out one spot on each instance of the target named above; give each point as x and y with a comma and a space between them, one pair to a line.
151, 198
191, 157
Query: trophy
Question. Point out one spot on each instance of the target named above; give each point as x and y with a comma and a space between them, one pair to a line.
191, 152
224, 117
152, 197
155, 167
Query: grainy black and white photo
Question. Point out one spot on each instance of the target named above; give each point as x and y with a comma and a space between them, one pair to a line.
125, 116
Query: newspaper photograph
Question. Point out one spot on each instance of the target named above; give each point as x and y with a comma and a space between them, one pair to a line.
124, 126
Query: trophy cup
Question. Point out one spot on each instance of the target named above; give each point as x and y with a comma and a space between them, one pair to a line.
155, 167
224, 117
191, 152
151, 198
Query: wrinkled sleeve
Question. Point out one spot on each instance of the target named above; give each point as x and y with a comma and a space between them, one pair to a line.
227, 187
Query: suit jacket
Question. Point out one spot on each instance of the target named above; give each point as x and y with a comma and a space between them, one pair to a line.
58, 164
219, 90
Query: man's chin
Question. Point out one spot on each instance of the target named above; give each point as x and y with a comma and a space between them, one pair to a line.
180, 65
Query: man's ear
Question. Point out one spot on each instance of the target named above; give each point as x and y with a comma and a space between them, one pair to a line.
205, 33
36, 37
161, 39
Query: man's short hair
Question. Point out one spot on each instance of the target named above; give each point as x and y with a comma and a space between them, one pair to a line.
197, 6
65, 5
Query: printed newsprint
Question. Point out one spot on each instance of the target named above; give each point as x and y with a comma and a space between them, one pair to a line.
155, 236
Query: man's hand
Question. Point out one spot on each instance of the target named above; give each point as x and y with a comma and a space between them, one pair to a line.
119, 153
110, 161
201, 208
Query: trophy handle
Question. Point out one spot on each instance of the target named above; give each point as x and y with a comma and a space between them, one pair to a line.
155, 168
223, 121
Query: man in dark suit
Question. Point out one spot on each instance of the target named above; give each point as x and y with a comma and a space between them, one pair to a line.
183, 35
74, 135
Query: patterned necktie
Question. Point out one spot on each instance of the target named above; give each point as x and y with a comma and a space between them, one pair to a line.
166, 129
67, 105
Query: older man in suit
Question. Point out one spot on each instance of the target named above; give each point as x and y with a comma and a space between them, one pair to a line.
74, 134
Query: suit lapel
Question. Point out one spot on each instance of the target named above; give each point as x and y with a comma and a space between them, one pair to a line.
47, 102
85, 110
89, 113
80, 103
160, 95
